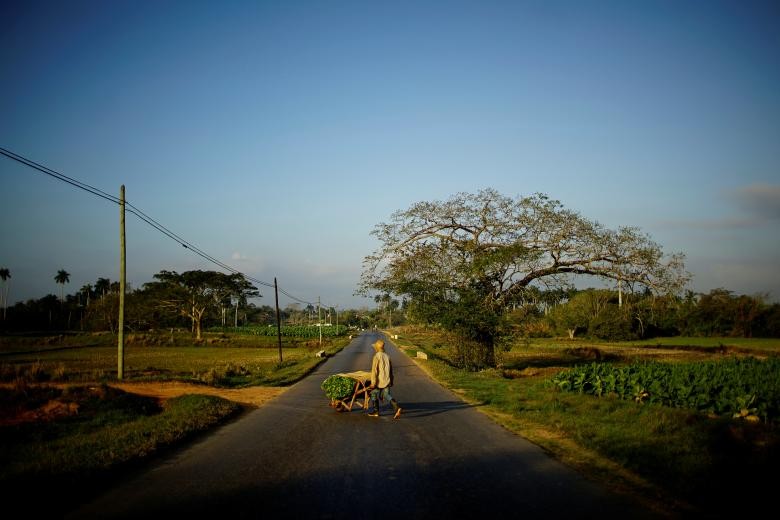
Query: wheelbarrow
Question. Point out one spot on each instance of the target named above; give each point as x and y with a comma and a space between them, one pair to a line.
360, 392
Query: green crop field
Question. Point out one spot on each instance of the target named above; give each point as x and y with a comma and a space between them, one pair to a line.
709, 450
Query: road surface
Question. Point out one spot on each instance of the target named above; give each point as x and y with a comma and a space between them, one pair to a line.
296, 457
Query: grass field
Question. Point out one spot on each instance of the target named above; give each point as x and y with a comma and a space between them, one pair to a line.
678, 460
219, 359
67, 440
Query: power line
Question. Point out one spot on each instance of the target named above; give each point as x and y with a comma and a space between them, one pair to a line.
59, 176
141, 215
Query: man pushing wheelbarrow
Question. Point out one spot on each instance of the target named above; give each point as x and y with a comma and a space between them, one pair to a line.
382, 380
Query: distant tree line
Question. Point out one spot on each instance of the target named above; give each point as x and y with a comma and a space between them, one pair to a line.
609, 315
192, 300
599, 313
195, 300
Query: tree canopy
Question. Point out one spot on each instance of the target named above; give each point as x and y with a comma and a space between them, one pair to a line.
192, 293
461, 262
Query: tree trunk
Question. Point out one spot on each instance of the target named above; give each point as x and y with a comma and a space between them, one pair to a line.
641, 326
197, 322
571, 333
490, 352
5, 301
192, 316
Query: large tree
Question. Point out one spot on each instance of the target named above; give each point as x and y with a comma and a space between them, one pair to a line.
231, 290
463, 261
192, 293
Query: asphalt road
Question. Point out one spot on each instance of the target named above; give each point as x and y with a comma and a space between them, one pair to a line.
298, 458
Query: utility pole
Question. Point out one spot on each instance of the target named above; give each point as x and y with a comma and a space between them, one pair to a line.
120, 369
278, 321
319, 320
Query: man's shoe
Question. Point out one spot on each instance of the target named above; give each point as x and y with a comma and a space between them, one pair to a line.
397, 413
373, 414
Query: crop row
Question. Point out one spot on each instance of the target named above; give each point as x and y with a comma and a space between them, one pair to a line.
747, 388
297, 331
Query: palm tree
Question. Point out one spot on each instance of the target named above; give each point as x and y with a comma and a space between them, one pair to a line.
62, 278
102, 286
392, 306
5, 274
87, 290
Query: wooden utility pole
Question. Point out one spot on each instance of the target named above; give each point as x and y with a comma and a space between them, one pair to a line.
120, 371
278, 321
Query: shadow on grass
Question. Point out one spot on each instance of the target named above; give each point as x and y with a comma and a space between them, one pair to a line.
567, 358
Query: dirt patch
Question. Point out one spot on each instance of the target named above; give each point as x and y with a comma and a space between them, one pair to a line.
47, 409
511, 373
253, 396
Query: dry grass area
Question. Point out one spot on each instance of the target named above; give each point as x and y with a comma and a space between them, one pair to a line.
253, 396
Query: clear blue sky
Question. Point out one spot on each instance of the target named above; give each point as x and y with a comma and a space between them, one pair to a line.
275, 135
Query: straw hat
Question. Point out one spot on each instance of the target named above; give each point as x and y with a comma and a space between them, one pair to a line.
379, 344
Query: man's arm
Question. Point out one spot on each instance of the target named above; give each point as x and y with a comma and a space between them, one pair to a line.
374, 370
390, 364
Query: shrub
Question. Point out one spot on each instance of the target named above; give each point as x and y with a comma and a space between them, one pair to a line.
612, 326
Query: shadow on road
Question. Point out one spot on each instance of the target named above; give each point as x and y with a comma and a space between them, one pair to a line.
414, 409
495, 485
418, 409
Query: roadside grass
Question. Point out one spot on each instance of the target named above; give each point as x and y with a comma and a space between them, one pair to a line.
676, 460
87, 435
220, 360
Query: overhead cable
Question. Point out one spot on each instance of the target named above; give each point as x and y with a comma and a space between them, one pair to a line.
143, 216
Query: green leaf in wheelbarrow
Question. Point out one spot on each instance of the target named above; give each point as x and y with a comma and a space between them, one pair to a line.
338, 387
